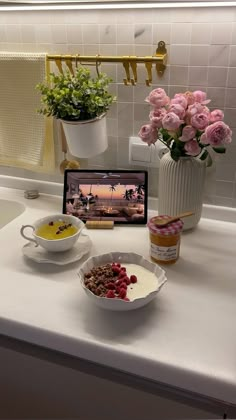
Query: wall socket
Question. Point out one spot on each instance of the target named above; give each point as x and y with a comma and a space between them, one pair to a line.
142, 154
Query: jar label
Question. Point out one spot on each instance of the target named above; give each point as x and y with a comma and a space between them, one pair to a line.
164, 253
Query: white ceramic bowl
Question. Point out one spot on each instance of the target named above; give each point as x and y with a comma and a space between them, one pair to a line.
128, 258
57, 245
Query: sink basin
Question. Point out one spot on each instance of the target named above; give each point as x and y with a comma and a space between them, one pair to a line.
9, 210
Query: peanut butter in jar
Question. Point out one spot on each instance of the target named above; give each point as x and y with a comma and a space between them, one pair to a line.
165, 241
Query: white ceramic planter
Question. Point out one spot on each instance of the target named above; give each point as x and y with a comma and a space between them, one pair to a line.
86, 139
181, 186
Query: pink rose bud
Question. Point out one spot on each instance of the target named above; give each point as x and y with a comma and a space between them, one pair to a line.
180, 99
178, 110
201, 97
192, 148
156, 117
216, 115
200, 121
171, 121
188, 133
190, 97
148, 134
217, 134
158, 98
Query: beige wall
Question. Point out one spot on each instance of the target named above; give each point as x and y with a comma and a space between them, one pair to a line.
201, 44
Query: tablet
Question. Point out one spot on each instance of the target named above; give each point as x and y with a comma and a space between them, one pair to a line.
116, 195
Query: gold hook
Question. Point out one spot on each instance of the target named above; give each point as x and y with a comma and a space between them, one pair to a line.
126, 67
148, 66
133, 66
69, 64
59, 64
76, 60
98, 63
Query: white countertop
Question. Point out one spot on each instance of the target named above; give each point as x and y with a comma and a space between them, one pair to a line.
185, 338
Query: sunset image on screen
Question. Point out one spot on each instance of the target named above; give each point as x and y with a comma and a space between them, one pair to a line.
115, 196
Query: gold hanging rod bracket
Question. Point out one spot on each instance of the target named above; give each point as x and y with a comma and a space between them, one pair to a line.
161, 51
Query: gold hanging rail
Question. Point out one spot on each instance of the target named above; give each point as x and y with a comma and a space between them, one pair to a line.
129, 62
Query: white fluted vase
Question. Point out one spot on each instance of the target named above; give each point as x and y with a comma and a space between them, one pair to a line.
181, 186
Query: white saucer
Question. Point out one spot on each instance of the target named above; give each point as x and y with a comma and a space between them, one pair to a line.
40, 255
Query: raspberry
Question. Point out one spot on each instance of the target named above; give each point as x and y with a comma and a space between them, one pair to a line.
111, 285
118, 264
133, 279
118, 290
110, 294
121, 275
115, 269
123, 286
126, 279
118, 282
127, 299
123, 268
122, 293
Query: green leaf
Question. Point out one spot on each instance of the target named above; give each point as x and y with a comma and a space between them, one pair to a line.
78, 97
175, 154
165, 134
204, 155
219, 149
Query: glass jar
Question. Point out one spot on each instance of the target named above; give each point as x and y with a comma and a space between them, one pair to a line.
165, 240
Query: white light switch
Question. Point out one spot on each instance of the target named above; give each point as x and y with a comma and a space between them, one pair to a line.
142, 154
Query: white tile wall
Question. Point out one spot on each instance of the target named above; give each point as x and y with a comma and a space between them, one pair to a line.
201, 46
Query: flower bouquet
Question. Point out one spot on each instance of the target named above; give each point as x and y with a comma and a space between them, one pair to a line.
185, 124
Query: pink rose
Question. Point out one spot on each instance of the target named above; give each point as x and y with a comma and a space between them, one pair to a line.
188, 133
216, 115
196, 108
205, 110
180, 99
156, 117
192, 148
158, 98
171, 121
201, 97
217, 134
178, 110
190, 97
200, 121
148, 134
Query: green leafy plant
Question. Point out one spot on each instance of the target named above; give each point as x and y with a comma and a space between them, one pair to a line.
75, 97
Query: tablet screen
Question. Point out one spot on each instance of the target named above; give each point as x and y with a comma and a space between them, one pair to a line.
117, 195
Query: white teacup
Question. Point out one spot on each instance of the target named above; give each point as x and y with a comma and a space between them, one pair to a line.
54, 245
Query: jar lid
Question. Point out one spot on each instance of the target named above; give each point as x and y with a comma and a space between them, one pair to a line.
168, 230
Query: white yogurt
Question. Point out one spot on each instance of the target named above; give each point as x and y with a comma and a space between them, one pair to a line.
146, 281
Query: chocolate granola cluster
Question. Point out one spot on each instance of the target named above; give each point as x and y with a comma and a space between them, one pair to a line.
109, 280
98, 278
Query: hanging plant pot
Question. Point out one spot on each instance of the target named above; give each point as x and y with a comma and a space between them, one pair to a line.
87, 138
181, 186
